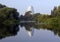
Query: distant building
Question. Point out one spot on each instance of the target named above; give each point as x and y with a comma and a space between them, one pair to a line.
30, 10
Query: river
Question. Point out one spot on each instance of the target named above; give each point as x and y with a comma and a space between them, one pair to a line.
31, 34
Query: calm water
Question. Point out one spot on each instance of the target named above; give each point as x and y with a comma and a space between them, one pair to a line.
30, 34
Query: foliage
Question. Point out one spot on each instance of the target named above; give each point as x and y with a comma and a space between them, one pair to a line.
56, 11
8, 16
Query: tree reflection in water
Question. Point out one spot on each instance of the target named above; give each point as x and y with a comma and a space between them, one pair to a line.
29, 27
30, 30
8, 31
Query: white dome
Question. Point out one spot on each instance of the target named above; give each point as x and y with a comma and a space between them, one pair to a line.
30, 8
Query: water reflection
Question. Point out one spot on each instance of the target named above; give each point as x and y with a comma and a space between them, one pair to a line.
31, 26
6, 32
35, 33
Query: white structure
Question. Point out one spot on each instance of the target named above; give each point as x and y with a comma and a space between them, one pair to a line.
31, 32
30, 9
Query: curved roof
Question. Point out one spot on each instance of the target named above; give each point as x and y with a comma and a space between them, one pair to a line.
30, 8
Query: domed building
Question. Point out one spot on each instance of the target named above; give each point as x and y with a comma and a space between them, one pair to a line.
30, 10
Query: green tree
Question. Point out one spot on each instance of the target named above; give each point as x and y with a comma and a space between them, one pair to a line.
56, 11
8, 16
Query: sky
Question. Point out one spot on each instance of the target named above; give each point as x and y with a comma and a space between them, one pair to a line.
40, 6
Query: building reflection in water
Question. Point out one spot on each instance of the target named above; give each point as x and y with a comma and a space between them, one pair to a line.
28, 28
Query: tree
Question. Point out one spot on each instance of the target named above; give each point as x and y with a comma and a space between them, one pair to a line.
53, 12
8, 16
2, 6
56, 11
